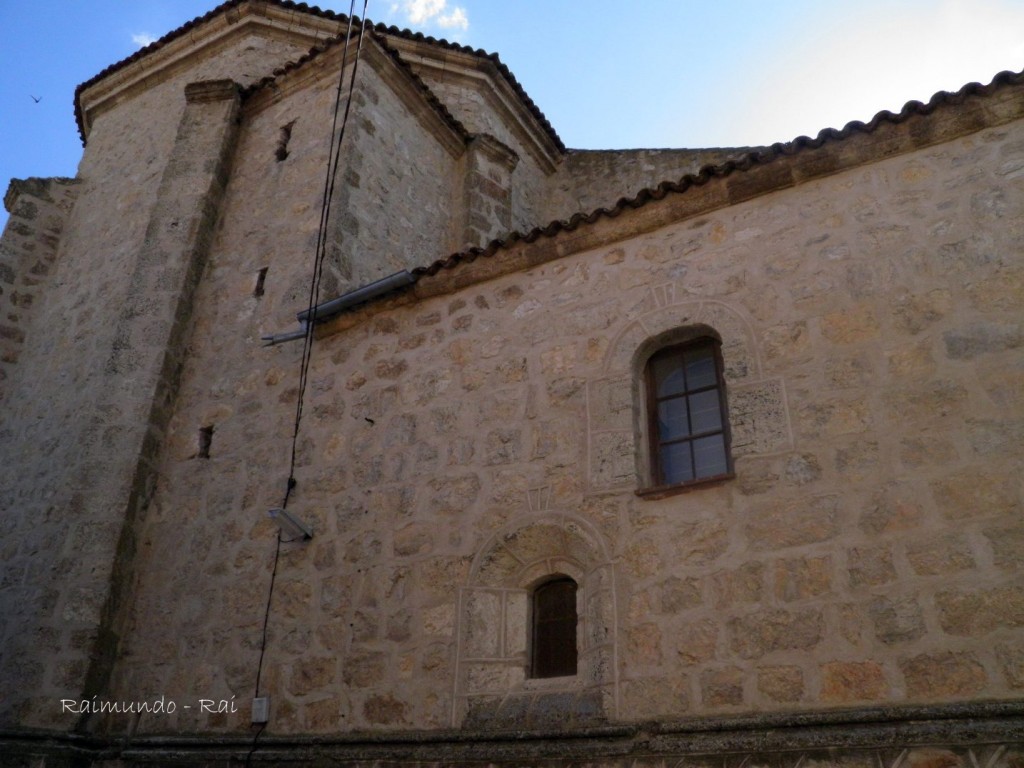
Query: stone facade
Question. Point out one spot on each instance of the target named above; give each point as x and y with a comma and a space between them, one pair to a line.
853, 588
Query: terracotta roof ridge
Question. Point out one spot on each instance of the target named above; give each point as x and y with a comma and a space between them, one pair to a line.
742, 163
314, 10
428, 93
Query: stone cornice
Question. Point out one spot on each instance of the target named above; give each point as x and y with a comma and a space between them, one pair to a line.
481, 75
981, 734
202, 41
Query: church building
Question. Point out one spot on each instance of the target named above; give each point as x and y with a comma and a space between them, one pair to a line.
347, 417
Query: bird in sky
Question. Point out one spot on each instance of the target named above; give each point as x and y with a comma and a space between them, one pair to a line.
36, 99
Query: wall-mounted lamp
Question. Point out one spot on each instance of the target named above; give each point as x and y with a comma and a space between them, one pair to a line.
291, 525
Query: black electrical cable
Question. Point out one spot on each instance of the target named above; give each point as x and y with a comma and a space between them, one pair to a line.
333, 155
263, 647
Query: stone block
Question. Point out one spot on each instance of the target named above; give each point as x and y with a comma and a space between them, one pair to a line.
1007, 543
802, 578
759, 633
781, 684
849, 326
943, 554
942, 676
792, 522
647, 697
1011, 663
856, 460
832, 418
678, 594
643, 645
844, 682
802, 468
700, 542
612, 459
980, 612
697, 642
610, 404
502, 446
385, 710
312, 674
914, 313
896, 621
758, 418
483, 623
932, 451
756, 476
976, 492
495, 677
641, 559
788, 342
890, 510
453, 495
870, 566
742, 585
364, 668
722, 687
516, 624
967, 343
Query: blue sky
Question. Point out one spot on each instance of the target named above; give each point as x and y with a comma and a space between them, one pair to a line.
647, 73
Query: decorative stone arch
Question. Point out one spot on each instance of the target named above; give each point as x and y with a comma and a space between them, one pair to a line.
616, 446
492, 687
667, 323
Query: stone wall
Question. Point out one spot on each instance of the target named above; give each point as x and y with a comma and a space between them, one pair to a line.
38, 210
77, 439
486, 429
396, 200
867, 552
478, 102
590, 179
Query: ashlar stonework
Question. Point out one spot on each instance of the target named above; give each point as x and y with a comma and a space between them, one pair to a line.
849, 592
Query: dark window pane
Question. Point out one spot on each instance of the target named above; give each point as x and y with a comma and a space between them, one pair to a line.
668, 375
554, 629
686, 413
705, 412
700, 367
709, 456
672, 419
676, 463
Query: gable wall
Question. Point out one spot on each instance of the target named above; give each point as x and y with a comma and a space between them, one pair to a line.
465, 100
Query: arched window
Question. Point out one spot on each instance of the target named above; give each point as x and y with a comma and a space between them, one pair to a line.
553, 649
688, 419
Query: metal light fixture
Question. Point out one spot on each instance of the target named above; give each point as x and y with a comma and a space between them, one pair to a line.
291, 525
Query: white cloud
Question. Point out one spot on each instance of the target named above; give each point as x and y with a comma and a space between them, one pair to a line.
851, 65
426, 12
143, 39
454, 20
